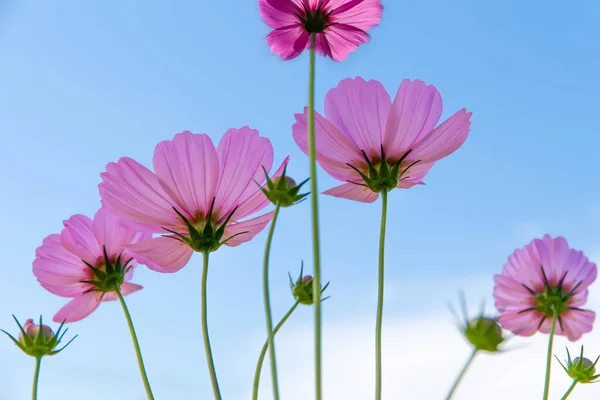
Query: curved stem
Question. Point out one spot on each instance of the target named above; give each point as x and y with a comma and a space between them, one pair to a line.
549, 357
263, 352
136, 345
207, 349
36, 377
570, 390
315, 218
270, 333
380, 282
461, 375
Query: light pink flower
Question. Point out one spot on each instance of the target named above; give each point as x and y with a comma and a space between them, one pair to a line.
544, 277
67, 264
362, 126
339, 25
31, 329
195, 189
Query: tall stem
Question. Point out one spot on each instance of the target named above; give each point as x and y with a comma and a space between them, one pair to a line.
461, 375
270, 332
136, 345
36, 377
263, 352
549, 356
570, 390
207, 349
380, 282
315, 218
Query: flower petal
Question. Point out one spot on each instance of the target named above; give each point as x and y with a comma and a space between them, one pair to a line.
279, 13
344, 39
112, 234
78, 238
359, 109
414, 175
78, 308
126, 288
443, 140
242, 156
352, 191
187, 168
133, 192
161, 254
361, 14
414, 114
245, 230
288, 41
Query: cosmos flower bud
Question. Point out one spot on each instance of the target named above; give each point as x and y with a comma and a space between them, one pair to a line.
302, 288
38, 340
283, 190
484, 333
581, 369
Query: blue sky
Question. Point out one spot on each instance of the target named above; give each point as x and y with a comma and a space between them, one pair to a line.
84, 83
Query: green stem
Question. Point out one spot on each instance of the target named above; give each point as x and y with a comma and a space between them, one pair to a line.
461, 375
36, 377
207, 349
315, 217
570, 390
549, 357
270, 333
136, 345
380, 282
263, 352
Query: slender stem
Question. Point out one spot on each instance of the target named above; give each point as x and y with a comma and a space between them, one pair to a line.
36, 377
136, 345
380, 282
270, 333
570, 390
207, 349
263, 352
461, 375
315, 218
549, 356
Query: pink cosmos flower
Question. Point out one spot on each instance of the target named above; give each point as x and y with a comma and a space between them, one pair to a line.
543, 278
196, 197
374, 144
87, 261
339, 25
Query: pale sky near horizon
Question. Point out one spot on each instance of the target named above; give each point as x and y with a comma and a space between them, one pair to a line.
84, 83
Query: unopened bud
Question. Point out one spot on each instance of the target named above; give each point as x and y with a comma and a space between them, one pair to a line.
484, 333
38, 340
581, 369
282, 190
302, 288
32, 330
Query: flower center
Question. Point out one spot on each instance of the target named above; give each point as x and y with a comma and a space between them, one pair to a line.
107, 275
315, 21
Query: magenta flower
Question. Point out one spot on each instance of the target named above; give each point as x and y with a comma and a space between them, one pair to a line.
88, 262
374, 144
196, 197
339, 25
543, 278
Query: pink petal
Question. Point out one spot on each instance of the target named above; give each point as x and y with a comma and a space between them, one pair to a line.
359, 109
78, 238
278, 13
444, 140
243, 156
351, 191
78, 308
577, 323
132, 191
414, 175
343, 40
114, 235
523, 324
246, 230
161, 254
288, 42
414, 114
126, 288
58, 270
187, 168
258, 200
361, 14
334, 149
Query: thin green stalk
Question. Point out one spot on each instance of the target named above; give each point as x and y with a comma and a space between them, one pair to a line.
36, 377
380, 282
461, 375
207, 349
549, 356
263, 352
315, 218
136, 345
570, 390
270, 333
